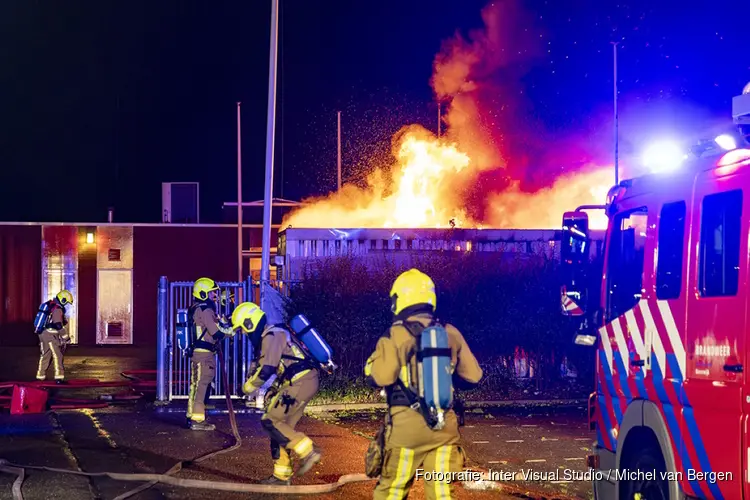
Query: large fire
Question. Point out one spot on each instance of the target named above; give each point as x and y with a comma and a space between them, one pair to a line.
447, 181
428, 191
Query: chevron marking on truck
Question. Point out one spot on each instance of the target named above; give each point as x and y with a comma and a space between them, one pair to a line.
648, 326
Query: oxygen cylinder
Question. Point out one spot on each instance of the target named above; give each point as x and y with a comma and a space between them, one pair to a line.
312, 340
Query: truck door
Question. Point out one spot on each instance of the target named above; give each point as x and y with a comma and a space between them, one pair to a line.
711, 396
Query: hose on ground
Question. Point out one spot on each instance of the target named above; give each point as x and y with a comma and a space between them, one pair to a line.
235, 430
18, 471
167, 477
307, 489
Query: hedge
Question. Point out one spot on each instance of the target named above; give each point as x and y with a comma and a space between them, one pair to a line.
500, 303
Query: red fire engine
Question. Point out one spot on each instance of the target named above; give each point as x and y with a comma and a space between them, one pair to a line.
669, 322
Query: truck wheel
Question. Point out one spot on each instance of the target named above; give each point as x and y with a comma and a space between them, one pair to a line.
646, 488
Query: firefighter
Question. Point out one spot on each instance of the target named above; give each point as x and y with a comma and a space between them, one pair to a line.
410, 443
223, 308
227, 302
207, 336
54, 338
296, 383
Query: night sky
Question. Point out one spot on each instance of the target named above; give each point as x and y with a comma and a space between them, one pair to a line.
100, 102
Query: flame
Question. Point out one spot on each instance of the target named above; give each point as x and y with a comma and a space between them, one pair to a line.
441, 182
427, 192
420, 194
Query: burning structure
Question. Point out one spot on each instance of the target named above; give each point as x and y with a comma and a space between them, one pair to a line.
297, 248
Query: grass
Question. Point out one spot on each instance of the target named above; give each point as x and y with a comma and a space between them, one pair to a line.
343, 390
340, 390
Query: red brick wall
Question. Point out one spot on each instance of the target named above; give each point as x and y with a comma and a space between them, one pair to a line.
87, 291
20, 283
180, 254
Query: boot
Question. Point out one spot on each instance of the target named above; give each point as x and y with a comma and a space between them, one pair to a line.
201, 426
275, 481
308, 462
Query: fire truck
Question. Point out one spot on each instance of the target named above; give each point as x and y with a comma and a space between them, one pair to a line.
667, 312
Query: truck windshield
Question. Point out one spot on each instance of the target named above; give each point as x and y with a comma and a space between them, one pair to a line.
625, 262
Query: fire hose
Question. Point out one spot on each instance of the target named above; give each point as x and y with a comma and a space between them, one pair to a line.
167, 477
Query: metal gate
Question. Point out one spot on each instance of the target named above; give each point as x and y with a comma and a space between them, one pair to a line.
173, 367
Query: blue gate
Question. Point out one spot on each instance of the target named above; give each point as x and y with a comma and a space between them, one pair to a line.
173, 367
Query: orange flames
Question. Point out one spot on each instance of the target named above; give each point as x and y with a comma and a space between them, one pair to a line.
426, 192
431, 177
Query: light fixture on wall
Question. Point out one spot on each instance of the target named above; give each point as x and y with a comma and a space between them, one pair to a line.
89, 237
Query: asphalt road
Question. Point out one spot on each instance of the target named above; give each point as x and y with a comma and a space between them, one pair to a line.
126, 440
514, 440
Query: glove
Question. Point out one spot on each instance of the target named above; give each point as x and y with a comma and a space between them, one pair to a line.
250, 390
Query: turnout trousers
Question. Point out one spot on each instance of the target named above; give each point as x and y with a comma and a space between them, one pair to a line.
280, 419
202, 371
413, 449
49, 345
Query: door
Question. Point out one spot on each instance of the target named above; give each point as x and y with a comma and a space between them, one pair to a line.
716, 308
54, 280
114, 306
627, 256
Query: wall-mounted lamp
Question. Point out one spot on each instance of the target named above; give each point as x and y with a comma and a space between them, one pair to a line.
89, 238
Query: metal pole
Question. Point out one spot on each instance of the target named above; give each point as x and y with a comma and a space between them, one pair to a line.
239, 197
265, 271
161, 344
339, 151
617, 135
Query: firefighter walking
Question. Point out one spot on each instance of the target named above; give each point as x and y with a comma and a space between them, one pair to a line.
296, 383
206, 334
51, 326
409, 442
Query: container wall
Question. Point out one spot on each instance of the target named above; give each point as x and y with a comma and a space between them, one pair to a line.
20, 277
180, 254
60, 269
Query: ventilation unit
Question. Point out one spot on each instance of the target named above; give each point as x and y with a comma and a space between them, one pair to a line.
180, 203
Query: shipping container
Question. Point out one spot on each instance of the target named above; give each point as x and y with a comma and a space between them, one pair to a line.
299, 246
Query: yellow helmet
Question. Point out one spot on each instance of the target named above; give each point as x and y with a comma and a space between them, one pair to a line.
411, 288
247, 316
64, 297
226, 295
203, 287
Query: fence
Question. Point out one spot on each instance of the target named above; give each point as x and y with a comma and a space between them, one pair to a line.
173, 366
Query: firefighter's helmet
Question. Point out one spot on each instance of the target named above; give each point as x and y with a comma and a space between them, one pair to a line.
64, 297
247, 316
411, 288
203, 287
227, 295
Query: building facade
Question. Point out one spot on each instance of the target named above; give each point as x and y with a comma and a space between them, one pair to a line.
113, 271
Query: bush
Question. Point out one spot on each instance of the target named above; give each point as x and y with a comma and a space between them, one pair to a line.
501, 304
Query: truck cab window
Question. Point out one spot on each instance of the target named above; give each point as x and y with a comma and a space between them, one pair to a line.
720, 244
671, 246
625, 262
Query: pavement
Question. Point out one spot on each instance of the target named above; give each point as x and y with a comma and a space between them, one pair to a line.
130, 440
547, 440
134, 437
99, 362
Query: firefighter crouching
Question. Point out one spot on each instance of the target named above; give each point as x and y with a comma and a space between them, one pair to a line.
51, 326
296, 383
410, 443
207, 333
